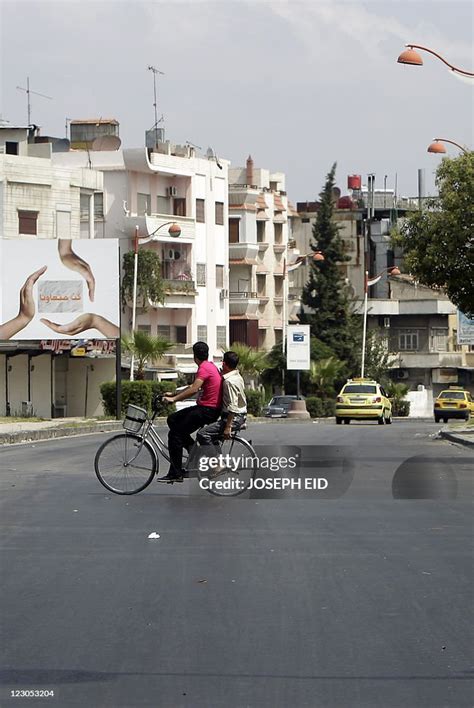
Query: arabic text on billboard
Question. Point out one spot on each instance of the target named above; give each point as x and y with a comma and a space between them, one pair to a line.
59, 289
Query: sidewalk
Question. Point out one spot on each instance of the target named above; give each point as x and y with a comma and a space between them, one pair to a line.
463, 435
24, 431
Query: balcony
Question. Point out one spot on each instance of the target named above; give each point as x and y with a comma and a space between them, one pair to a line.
278, 300
243, 253
186, 223
243, 303
429, 360
279, 248
262, 246
180, 287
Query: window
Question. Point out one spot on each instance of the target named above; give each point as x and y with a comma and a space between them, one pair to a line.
200, 213
408, 340
28, 223
143, 204
164, 331
220, 213
181, 334
278, 233
163, 205
260, 232
98, 206
439, 339
63, 223
219, 276
221, 332
200, 274
179, 206
202, 333
11, 148
144, 328
234, 226
84, 201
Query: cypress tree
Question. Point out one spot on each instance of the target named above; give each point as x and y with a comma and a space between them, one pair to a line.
326, 295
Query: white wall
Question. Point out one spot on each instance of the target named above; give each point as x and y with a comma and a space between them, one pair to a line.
17, 382
92, 372
3, 363
40, 385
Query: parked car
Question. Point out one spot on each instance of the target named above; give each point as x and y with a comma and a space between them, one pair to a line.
363, 399
454, 402
278, 406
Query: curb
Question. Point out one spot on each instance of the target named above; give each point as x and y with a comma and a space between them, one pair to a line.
452, 437
60, 432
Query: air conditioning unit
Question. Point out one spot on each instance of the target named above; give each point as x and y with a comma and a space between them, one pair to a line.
172, 191
402, 374
224, 294
386, 321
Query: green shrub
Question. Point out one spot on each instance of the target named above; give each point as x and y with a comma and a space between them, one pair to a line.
164, 409
139, 393
320, 407
254, 401
400, 408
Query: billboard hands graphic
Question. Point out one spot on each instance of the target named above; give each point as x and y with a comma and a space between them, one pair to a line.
86, 321
27, 308
74, 262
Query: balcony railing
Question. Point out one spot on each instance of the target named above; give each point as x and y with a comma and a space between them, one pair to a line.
248, 295
180, 287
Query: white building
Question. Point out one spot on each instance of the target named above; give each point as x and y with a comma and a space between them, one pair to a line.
148, 189
40, 199
258, 245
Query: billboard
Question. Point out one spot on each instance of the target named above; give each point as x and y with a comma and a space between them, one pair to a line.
297, 347
465, 328
59, 289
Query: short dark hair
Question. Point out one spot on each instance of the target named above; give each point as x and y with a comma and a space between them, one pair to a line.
201, 351
231, 359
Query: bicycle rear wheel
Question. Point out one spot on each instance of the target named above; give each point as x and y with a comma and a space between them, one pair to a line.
236, 474
125, 464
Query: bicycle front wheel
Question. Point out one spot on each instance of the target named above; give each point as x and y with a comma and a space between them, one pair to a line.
235, 474
125, 464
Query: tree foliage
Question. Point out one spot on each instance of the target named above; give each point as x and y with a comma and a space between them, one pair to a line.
326, 294
149, 280
378, 360
145, 348
438, 241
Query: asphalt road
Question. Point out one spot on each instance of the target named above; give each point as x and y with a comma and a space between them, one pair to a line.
364, 600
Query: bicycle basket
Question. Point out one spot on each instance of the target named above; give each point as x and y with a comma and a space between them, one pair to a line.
134, 418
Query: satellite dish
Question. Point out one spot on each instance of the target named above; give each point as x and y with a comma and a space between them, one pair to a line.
61, 145
107, 143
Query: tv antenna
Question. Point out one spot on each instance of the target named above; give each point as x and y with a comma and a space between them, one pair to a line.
155, 72
28, 91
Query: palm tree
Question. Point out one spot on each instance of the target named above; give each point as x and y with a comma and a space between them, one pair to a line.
323, 374
145, 348
251, 361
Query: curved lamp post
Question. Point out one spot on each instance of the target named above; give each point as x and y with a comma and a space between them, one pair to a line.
437, 146
174, 231
412, 57
368, 282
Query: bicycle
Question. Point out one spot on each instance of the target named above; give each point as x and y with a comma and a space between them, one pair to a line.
128, 462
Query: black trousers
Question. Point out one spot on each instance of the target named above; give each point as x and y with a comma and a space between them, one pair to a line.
181, 424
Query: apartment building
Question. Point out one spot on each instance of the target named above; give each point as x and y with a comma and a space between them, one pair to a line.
258, 251
145, 189
42, 200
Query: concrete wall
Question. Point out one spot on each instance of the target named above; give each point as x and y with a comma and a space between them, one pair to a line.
40, 383
17, 375
3, 364
86, 375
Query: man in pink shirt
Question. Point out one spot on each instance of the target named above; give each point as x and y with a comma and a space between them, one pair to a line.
208, 383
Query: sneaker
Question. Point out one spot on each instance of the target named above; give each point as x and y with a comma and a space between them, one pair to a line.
170, 478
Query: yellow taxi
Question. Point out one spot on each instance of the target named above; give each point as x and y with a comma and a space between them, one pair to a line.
363, 399
454, 402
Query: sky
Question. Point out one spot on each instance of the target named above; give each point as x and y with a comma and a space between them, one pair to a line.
298, 85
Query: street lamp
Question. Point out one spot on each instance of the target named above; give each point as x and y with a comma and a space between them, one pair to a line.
174, 231
437, 147
412, 57
368, 282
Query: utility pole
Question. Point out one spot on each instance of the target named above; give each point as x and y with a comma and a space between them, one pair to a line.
155, 72
28, 91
